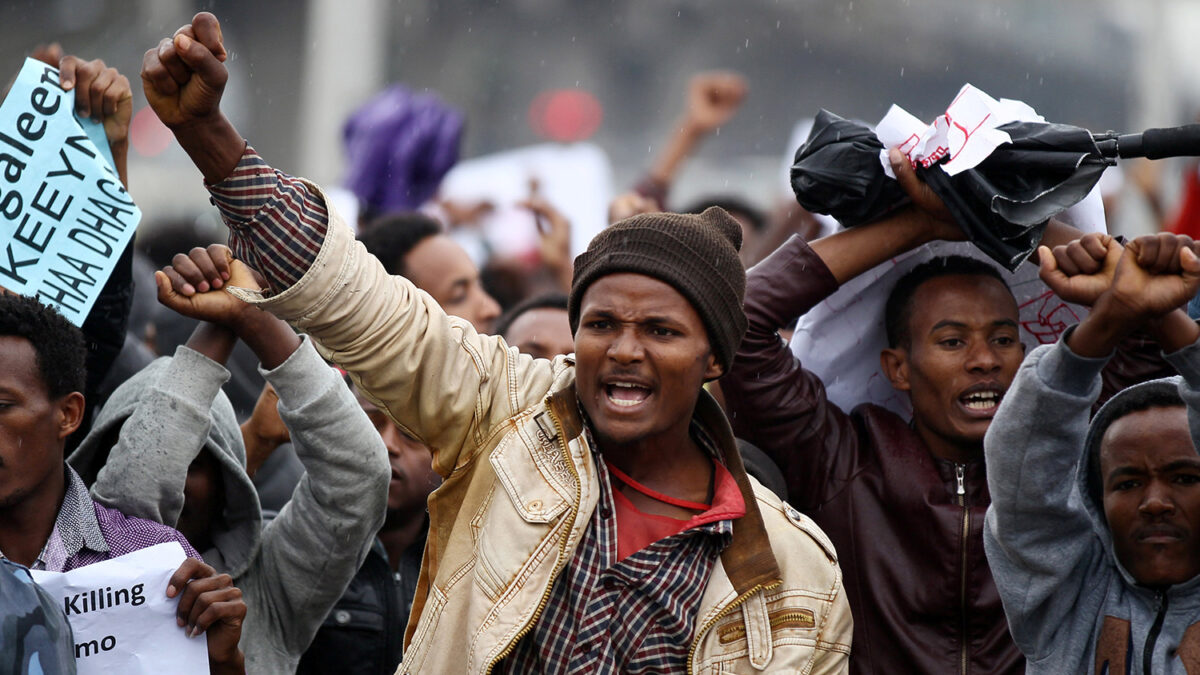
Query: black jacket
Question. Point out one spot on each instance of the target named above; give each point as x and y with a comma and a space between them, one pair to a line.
364, 632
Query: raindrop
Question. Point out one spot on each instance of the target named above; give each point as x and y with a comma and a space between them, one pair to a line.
777, 24
901, 71
747, 43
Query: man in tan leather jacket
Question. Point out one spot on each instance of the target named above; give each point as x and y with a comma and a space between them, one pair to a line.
525, 568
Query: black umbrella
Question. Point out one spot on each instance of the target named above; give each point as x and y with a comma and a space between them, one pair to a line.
1002, 204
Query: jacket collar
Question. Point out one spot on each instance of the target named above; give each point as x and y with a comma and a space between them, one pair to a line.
748, 560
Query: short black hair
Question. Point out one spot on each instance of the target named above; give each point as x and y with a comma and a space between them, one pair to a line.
58, 343
544, 301
1138, 398
898, 310
391, 237
736, 206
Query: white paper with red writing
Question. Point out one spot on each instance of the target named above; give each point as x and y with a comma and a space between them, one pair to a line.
966, 132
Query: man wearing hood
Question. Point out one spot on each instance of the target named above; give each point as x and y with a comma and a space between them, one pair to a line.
1092, 535
167, 448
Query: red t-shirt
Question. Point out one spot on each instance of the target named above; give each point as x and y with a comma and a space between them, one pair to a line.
637, 530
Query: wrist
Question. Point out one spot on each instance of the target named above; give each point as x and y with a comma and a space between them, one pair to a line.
691, 129
271, 340
1173, 331
228, 664
213, 144
913, 228
213, 341
1103, 329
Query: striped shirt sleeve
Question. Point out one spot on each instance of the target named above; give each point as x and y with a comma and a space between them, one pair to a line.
276, 224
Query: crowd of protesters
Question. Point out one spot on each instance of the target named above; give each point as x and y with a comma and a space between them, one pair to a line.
381, 458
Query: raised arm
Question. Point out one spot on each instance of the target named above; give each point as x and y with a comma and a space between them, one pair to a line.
713, 98
773, 401
104, 95
168, 415
1038, 537
445, 384
339, 503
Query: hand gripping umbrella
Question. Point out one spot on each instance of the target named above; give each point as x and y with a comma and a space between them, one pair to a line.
1002, 203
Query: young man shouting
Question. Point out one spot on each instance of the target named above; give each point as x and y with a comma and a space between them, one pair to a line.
595, 514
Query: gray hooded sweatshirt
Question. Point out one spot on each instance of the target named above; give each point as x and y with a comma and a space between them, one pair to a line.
1071, 606
292, 571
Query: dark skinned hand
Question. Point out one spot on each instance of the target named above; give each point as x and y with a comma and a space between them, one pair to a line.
1082, 270
185, 285
938, 218
185, 75
210, 603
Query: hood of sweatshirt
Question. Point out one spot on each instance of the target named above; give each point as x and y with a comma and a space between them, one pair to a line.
1087, 475
237, 534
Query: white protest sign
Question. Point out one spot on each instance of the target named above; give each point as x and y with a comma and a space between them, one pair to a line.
121, 616
576, 179
65, 218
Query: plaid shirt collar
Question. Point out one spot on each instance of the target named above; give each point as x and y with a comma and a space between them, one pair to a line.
75, 528
636, 615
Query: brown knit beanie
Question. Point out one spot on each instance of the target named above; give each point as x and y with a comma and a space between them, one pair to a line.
696, 254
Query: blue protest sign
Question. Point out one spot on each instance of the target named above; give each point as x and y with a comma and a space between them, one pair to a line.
65, 218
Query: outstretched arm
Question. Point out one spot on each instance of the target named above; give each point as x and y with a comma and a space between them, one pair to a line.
394, 340
169, 424
103, 94
773, 401
713, 98
184, 77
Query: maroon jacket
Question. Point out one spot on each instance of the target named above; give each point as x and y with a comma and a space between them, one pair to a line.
908, 527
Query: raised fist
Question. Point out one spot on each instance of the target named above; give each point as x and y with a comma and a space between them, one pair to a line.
184, 75
713, 99
1155, 275
193, 285
1082, 270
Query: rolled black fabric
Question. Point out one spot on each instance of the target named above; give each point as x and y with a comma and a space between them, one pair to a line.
1002, 205
837, 172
